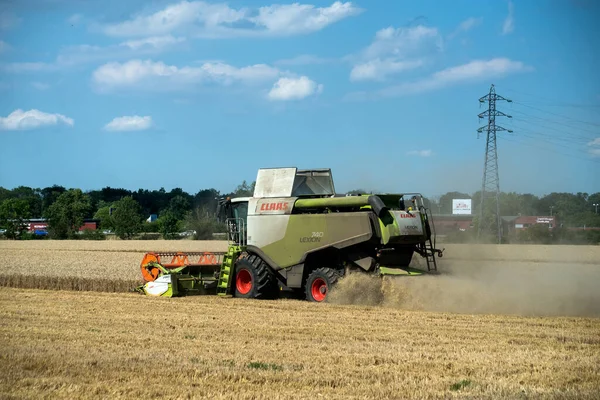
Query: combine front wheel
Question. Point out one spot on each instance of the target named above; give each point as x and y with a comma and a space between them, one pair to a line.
253, 279
319, 283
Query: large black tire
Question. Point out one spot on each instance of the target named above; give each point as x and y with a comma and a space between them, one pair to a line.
319, 283
254, 280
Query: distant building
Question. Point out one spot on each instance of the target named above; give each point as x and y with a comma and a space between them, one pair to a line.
446, 223
525, 222
39, 226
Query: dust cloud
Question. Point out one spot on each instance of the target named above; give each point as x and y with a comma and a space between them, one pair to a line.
484, 286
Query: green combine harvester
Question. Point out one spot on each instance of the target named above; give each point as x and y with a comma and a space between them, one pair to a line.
296, 235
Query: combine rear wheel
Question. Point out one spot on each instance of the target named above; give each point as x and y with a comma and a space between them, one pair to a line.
319, 283
253, 279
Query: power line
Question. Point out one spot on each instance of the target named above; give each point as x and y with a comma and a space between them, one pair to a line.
550, 138
557, 122
514, 139
563, 136
561, 131
579, 150
565, 140
560, 115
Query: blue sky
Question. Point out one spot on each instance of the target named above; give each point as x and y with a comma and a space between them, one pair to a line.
150, 94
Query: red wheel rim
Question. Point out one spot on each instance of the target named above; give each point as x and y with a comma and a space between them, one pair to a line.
319, 289
243, 281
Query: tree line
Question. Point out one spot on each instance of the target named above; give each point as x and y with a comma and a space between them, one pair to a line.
574, 212
121, 211
571, 209
124, 212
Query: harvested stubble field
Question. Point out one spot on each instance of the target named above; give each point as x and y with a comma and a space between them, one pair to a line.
423, 337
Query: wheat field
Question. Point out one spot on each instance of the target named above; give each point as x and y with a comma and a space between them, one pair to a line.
79, 260
499, 322
99, 345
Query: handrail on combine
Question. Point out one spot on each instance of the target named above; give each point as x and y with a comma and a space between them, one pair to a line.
237, 232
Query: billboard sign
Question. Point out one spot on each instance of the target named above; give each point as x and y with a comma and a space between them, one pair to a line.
461, 206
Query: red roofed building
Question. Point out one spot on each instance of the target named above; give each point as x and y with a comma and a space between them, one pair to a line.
526, 222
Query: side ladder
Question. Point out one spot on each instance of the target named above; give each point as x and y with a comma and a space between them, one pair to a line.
428, 249
227, 270
430, 257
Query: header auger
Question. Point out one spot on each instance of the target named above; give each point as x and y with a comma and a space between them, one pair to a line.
296, 234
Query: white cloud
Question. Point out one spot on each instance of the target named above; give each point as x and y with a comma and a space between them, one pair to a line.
297, 18
3, 46
129, 123
40, 85
294, 88
75, 19
22, 120
594, 147
379, 69
156, 42
420, 153
175, 17
159, 76
466, 26
469, 24
8, 20
403, 42
473, 71
395, 50
480, 69
220, 20
83, 54
509, 22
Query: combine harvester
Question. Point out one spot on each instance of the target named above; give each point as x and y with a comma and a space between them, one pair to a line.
295, 234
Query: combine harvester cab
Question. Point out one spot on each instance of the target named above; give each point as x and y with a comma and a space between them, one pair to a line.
296, 234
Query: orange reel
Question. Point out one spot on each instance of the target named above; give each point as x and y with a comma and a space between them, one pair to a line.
150, 273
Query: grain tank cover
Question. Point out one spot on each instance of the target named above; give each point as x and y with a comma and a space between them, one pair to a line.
313, 182
292, 182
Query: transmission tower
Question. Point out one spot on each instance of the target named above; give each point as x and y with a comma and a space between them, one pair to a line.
490, 187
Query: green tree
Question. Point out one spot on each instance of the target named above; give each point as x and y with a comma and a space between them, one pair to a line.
357, 191
126, 217
563, 205
65, 216
244, 189
33, 197
207, 198
204, 223
13, 213
179, 205
585, 219
50, 194
5, 194
168, 224
106, 221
